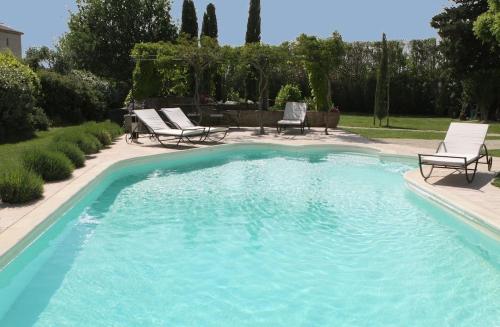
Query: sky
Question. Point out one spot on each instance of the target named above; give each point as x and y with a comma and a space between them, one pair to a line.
44, 21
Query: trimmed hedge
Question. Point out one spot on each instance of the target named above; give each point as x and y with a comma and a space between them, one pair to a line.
88, 143
114, 129
99, 132
19, 185
70, 150
50, 165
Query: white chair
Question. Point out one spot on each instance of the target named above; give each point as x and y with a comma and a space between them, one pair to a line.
295, 116
179, 119
157, 128
462, 147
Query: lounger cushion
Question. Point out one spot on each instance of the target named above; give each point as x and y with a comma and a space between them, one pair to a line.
178, 132
179, 119
295, 111
290, 122
213, 129
440, 159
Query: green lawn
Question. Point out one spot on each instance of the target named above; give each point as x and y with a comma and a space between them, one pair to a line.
495, 153
382, 133
402, 122
11, 152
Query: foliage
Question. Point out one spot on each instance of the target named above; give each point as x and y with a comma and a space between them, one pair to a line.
103, 32
157, 72
382, 90
470, 60
71, 151
19, 88
88, 143
322, 58
253, 24
50, 165
209, 27
19, 185
39, 119
112, 128
288, 93
189, 25
45, 58
100, 133
487, 25
75, 97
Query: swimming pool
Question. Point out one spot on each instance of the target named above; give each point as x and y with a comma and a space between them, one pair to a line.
255, 235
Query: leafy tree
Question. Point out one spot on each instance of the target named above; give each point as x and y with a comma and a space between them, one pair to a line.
189, 25
322, 58
209, 27
487, 25
381, 110
45, 58
103, 32
288, 93
265, 59
253, 36
198, 57
470, 60
253, 25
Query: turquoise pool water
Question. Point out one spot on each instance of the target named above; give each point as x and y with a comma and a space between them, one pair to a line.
255, 236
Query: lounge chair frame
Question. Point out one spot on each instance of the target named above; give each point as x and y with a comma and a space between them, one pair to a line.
470, 173
162, 138
208, 132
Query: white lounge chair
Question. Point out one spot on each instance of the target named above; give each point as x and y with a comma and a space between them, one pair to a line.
157, 128
179, 119
295, 116
462, 147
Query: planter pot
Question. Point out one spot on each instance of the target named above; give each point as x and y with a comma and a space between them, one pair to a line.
332, 120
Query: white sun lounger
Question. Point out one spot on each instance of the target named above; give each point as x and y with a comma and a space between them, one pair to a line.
158, 128
295, 116
462, 147
179, 119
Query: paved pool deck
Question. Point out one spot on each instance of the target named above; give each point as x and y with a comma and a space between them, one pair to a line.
479, 201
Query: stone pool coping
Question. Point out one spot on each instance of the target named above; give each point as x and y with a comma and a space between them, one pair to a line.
20, 225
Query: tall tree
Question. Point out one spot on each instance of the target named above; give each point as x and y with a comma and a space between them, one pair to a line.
103, 32
209, 27
487, 25
189, 25
253, 25
470, 60
381, 109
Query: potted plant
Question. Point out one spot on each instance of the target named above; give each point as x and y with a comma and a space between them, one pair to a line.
332, 119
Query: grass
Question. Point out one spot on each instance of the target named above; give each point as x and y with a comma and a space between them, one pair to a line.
10, 153
404, 122
383, 133
494, 153
496, 182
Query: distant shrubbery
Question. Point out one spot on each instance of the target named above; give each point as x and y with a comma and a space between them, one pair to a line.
19, 88
56, 161
288, 93
73, 98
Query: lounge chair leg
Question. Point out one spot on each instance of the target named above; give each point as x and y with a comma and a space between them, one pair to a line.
423, 174
471, 179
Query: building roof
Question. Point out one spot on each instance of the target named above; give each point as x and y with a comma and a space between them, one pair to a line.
7, 29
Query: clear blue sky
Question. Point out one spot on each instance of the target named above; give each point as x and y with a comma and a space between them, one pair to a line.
43, 22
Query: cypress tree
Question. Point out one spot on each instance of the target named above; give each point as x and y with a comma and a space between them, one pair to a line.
381, 109
253, 25
209, 27
189, 23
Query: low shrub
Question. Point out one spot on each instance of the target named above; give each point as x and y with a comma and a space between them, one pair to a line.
70, 150
288, 93
19, 185
88, 143
114, 129
50, 165
100, 132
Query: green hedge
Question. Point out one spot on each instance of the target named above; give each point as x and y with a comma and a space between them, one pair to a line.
288, 93
19, 185
71, 151
19, 88
88, 143
72, 98
50, 165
